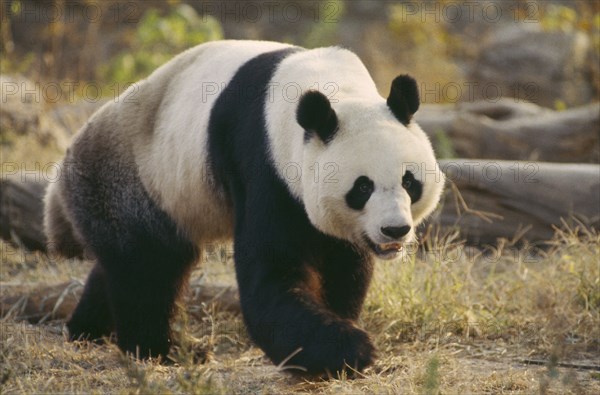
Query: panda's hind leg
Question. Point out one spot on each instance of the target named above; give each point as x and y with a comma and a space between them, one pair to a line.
144, 285
132, 290
143, 258
92, 319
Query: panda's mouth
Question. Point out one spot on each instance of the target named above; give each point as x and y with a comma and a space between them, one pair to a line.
385, 251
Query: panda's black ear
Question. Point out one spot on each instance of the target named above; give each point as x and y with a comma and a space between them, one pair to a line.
404, 98
315, 115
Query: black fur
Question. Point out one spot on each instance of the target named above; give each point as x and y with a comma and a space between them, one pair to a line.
298, 287
142, 260
413, 186
316, 116
360, 193
93, 318
403, 99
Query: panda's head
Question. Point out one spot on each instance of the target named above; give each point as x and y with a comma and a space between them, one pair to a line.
370, 175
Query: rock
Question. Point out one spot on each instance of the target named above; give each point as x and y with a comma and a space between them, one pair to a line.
535, 66
19, 112
22, 112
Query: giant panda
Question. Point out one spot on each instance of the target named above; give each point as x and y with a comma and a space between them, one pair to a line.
290, 152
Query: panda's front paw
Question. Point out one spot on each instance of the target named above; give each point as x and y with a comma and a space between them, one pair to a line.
335, 348
355, 350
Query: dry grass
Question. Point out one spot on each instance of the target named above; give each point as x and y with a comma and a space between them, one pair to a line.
451, 320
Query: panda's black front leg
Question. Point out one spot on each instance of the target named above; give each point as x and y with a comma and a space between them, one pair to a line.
346, 274
287, 320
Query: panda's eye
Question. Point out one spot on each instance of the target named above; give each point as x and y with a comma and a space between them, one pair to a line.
413, 187
360, 193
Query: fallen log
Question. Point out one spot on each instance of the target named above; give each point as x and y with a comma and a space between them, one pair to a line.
532, 195
487, 200
22, 212
57, 302
515, 131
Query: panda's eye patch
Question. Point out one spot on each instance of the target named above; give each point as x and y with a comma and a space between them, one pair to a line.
413, 187
360, 193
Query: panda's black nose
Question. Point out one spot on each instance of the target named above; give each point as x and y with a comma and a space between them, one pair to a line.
395, 232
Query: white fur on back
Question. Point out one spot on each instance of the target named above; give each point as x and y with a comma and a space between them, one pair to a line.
173, 163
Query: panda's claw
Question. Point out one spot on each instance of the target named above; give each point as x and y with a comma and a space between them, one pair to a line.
334, 349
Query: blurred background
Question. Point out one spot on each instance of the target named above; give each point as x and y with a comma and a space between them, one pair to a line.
546, 52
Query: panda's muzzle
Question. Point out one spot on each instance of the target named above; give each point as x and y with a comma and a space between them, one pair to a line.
385, 250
